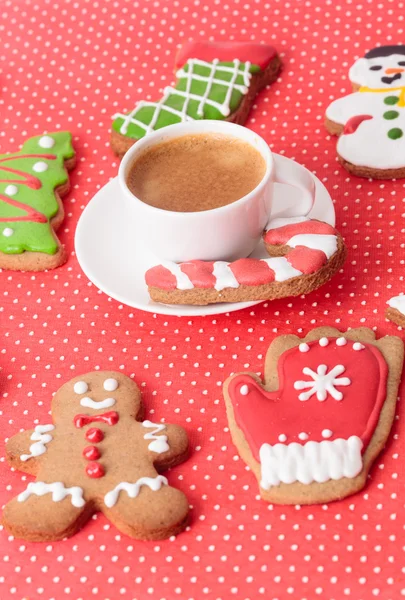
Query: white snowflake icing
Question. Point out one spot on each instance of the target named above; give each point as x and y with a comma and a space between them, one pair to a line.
323, 383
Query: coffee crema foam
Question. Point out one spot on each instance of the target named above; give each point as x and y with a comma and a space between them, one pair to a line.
196, 172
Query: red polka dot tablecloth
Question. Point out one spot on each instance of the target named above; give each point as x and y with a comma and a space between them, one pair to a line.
72, 65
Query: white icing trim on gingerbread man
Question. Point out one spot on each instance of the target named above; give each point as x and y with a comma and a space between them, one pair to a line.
57, 489
133, 489
41, 437
159, 443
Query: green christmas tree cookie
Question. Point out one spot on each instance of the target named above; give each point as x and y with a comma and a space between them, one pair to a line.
32, 182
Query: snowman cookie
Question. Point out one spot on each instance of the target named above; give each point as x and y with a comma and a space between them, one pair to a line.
311, 432
396, 310
370, 122
215, 80
97, 455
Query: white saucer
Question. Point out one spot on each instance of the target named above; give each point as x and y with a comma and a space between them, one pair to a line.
113, 259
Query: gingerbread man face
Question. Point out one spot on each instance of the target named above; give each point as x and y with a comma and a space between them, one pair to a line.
97, 393
97, 456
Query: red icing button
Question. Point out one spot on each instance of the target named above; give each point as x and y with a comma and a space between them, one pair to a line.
94, 435
95, 470
91, 452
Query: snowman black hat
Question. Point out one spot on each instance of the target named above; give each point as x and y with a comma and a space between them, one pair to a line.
383, 51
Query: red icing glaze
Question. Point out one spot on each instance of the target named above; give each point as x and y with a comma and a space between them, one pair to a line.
306, 260
257, 54
111, 418
95, 470
353, 123
263, 416
281, 235
94, 435
251, 271
200, 273
160, 277
91, 452
26, 179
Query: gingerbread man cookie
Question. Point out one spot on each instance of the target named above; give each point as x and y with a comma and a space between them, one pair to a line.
371, 121
32, 182
216, 81
311, 433
97, 455
304, 254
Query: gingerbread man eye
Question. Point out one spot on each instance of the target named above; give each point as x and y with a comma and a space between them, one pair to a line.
376, 68
110, 385
80, 387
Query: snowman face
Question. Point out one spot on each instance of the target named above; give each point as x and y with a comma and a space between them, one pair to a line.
379, 72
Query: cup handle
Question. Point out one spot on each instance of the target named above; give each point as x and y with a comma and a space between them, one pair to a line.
291, 173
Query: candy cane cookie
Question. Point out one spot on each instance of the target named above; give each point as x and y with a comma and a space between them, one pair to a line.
304, 254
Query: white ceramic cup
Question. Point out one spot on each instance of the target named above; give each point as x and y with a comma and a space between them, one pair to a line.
225, 233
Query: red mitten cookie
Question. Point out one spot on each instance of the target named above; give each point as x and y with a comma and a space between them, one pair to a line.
396, 310
371, 121
32, 182
97, 456
311, 433
214, 81
305, 254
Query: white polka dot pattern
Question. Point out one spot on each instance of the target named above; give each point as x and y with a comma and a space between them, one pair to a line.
72, 65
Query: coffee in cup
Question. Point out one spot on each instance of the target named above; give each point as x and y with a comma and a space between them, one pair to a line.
196, 172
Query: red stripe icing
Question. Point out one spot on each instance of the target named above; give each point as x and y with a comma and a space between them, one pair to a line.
32, 182
306, 260
251, 271
27, 179
281, 235
32, 215
200, 273
160, 277
257, 54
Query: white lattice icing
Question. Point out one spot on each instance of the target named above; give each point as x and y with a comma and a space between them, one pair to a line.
210, 79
